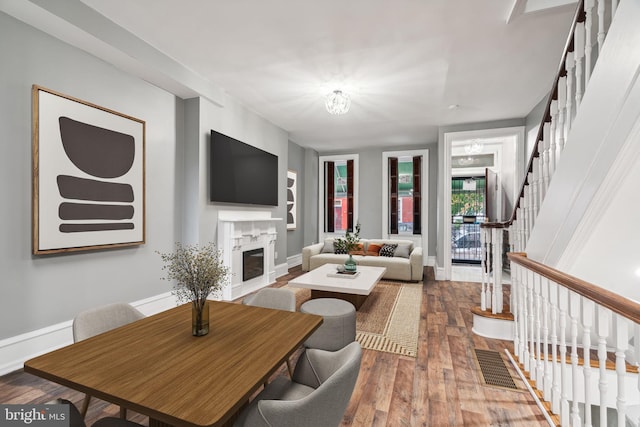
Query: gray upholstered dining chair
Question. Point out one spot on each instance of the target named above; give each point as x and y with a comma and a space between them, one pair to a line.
317, 396
97, 320
275, 298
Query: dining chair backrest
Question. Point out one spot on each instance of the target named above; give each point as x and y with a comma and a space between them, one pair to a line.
328, 378
102, 319
276, 298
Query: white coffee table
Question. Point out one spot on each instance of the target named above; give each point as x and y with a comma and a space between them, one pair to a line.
325, 283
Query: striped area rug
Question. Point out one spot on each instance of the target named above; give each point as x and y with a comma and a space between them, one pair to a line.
388, 320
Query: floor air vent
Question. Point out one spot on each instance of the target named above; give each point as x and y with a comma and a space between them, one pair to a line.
494, 371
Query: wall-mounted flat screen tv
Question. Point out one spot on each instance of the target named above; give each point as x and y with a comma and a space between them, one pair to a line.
241, 173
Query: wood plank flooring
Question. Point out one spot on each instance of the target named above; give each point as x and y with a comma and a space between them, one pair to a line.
440, 387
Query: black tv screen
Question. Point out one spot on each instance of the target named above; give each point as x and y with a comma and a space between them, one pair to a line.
241, 173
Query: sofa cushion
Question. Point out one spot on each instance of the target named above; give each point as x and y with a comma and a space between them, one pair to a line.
328, 247
388, 249
397, 268
373, 249
403, 250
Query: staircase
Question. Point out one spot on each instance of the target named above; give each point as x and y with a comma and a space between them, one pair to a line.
576, 344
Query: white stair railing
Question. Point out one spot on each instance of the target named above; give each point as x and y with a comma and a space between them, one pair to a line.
557, 317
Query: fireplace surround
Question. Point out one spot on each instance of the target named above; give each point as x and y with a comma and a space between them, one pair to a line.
241, 232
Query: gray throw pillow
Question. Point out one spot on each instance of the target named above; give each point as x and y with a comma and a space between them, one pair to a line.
403, 250
328, 247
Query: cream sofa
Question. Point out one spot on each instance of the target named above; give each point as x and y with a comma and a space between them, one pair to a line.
406, 264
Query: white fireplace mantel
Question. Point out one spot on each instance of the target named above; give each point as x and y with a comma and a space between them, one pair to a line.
240, 231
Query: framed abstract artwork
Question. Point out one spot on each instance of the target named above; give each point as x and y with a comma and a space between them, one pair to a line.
88, 187
292, 196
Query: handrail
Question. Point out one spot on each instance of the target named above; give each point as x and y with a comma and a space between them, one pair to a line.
614, 302
578, 17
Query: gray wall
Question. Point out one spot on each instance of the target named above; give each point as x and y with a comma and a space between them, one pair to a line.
237, 122
370, 196
38, 291
295, 238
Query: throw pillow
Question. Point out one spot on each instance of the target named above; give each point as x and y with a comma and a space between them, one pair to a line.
373, 249
328, 247
388, 249
403, 250
359, 250
338, 249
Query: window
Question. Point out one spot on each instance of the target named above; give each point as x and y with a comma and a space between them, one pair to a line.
405, 207
338, 198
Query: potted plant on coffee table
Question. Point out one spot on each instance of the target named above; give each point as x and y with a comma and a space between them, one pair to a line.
348, 244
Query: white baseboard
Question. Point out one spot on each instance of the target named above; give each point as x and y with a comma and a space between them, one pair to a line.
282, 269
294, 260
431, 261
14, 351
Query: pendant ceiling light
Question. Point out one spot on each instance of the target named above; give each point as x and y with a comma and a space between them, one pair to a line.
338, 102
473, 148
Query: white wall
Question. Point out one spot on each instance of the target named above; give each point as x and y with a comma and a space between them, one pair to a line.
36, 292
607, 251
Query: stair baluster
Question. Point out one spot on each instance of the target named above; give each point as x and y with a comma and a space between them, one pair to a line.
555, 388
588, 27
485, 235
537, 319
578, 55
570, 66
563, 303
574, 313
544, 288
587, 322
602, 328
562, 105
601, 29
622, 344
552, 137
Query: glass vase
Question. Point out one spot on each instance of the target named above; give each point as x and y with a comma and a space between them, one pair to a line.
350, 264
200, 319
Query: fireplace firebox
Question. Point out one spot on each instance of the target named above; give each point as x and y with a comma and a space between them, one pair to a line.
252, 264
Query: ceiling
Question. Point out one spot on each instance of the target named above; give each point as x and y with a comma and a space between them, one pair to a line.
405, 63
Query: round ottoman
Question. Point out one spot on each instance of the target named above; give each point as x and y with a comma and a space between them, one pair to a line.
339, 326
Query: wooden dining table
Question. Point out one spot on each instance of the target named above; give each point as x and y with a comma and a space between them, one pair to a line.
154, 366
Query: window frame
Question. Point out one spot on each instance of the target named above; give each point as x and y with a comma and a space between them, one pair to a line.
322, 234
418, 239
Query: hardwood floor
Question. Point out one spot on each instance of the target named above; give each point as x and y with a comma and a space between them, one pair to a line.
440, 387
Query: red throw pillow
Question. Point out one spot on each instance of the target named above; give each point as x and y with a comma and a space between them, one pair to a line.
373, 249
